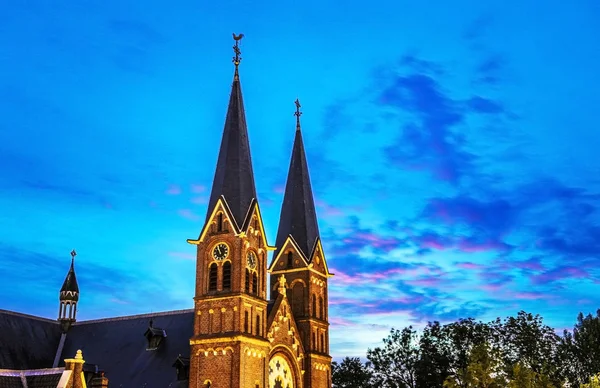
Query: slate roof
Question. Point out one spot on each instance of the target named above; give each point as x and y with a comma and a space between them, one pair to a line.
298, 215
40, 378
234, 177
27, 342
118, 347
70, 283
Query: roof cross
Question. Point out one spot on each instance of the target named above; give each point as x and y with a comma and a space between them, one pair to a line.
297, 114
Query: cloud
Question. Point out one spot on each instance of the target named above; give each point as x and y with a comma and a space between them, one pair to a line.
188, 214
173, 190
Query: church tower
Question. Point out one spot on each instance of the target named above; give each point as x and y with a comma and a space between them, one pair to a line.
68, 298
229, 347
299, 256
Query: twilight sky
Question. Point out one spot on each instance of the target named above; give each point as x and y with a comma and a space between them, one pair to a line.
453, 149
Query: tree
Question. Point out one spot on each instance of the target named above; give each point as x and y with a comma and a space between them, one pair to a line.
593, 382
350, 373
582, 349
484, 370
525, 339
395, 365
524, 377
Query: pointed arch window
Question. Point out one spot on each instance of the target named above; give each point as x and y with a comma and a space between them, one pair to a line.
247, 280
254, 283
321, 308
227, 276
212, 277
258, 325
314, 305
290, 260
220, 222
246, 328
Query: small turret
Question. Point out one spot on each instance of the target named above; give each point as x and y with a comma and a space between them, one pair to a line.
69, 296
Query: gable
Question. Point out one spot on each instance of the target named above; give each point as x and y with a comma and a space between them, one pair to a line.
318, 261
27, 342
282, 329
290, 244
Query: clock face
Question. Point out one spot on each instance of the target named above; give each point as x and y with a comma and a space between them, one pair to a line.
220, 251
280, 373
251, 260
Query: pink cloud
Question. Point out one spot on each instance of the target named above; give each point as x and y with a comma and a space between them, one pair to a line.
530, 295
199, 200
339, 321
188, 214
425, 282
328, 210
559, 273
173, 190
198, 188
492, 287
279, 189
469, 265
182, 255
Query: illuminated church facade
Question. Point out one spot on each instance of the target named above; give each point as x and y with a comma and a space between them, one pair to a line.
254, 324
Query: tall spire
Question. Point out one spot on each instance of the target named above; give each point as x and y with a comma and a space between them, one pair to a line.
298, 216
234, 178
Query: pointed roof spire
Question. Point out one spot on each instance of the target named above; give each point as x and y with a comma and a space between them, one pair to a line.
234, 178
298, 215
70, 289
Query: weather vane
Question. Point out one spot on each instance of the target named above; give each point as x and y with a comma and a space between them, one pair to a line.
236, 49
297, 114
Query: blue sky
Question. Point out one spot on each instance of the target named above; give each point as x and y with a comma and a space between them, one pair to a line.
452, 147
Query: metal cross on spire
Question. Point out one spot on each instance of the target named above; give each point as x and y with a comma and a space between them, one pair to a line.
73, 254
236, 49
297, 114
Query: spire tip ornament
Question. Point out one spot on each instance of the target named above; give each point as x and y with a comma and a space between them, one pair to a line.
297, 114
237, 58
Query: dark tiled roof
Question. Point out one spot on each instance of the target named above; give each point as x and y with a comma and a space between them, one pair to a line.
298, 216
11, 382
70, 283
234, 178
27, 342
118, 347
43, 381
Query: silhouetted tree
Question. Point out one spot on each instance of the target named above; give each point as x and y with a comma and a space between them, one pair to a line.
580, 350
395, 365
351, 373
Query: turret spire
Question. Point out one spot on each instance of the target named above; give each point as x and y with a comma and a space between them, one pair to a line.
68, 297
298, 215
234, 177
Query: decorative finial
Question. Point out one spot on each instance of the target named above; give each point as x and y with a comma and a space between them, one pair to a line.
73, 254
236, 49
282, 285
297, 114
79, 355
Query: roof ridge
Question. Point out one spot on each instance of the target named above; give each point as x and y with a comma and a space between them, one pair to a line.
137, 316
18, 314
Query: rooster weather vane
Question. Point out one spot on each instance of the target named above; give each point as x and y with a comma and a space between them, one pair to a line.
236, 49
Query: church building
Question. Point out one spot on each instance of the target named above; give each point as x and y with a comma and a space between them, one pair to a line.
254, 323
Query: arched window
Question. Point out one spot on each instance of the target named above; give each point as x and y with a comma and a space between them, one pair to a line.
298, 299
254, 283
246, 322
322, 342
258, 325
321, 308
227, 275
212, 277
314, 340
247, 280
290, 260
314, 305
220, 222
